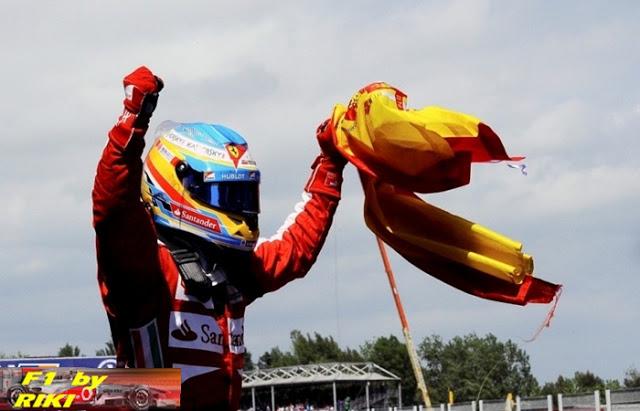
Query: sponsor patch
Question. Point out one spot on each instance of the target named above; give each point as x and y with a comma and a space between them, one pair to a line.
194, 146
194, 218
128, 92
164, 151
331, 180
195, 331
236, 175
236, 333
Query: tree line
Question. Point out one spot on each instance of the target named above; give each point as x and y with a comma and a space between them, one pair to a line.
469, 366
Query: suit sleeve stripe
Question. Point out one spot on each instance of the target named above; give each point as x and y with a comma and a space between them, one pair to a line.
291, 219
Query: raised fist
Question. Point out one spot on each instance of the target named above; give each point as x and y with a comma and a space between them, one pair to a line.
141, 89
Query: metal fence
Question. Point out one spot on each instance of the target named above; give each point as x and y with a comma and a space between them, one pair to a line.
619, 400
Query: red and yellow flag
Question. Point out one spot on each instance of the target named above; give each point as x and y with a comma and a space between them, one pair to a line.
400, 151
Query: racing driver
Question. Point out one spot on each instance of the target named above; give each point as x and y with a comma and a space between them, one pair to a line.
177, 243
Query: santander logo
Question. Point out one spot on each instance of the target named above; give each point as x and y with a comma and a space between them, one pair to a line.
196, 218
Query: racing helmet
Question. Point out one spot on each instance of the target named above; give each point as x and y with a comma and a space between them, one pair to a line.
200, 178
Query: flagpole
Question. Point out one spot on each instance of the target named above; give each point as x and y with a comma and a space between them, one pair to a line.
411, 349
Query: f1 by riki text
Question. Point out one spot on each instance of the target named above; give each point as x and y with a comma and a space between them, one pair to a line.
85, 387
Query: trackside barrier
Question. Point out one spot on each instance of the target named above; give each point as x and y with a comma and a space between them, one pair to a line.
578, 401
624, 399
71, 362
619, 400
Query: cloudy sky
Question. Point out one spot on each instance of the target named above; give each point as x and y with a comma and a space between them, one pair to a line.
558, 82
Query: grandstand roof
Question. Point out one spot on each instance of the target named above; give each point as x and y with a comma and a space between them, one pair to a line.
316, 373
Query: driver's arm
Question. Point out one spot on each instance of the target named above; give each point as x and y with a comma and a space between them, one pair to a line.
291, 252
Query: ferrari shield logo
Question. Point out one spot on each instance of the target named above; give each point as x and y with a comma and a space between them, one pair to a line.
235, 152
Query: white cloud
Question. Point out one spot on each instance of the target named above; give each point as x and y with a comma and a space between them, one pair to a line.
583, 191
624, 117
565, 125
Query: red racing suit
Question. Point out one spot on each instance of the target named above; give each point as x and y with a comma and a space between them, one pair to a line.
154, 322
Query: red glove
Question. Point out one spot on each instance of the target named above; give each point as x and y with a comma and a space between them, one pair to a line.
326, 140
141, 89
327, 169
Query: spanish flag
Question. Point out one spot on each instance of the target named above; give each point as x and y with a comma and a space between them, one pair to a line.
400, 151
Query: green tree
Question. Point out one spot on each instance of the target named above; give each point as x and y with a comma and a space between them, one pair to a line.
319, 349
582, 382
109, 349
19, 354
561, 385
276, 358
472, 366
308, 350
391, 354
69, 351
612, 385
632, 378
248, 361
587, 382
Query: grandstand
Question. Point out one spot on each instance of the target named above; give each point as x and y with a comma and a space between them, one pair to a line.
326, 374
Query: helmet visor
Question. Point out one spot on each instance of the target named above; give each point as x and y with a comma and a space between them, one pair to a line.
235, 196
